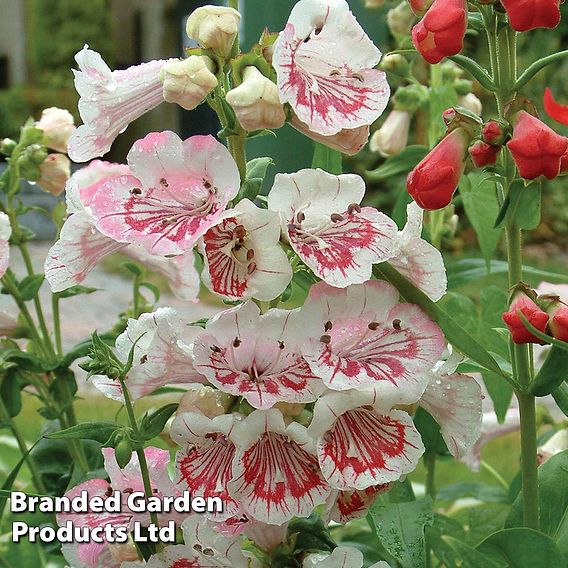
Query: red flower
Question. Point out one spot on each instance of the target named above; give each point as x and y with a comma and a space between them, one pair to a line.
536, 148
440, 33
483, 154
493, 132
554, 109
558, 324
537, 318
525, 15
434, 180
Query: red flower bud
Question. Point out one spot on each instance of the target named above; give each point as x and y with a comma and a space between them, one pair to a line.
420, 7
536, 317
559, 321
483, 154
554, 109
434, 180
536, 148
525, 15
440, 33
493, 132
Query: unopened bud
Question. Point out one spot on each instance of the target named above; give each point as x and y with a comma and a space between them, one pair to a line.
57, 125
483, 154
205, 400
214, 27
463, 87
400, 19
256, 102
54, 173
395, 64
471, 102
7, 146
36, 154
410, 97
392, 137
494, 132
187, 82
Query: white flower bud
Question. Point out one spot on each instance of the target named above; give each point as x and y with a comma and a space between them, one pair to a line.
187, 82
556, 444
471, 102
392, 137
214, 27
58, 125
256, 102
54, 173
375, 3
400, 19
205, 400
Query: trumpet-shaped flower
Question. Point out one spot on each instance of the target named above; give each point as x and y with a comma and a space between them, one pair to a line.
324, 64
5, 234
243, 257
110, 101
81, 246
344, 506
205, 461
361, 441
176, 193
255, 356
454, 400
335, 237
275, 472
162, 355
362, 336
417, 259
214, 27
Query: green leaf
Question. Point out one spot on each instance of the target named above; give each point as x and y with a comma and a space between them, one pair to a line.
153, 423
400, 528
470, 557
310, 534
327, 159
133, 268
553, 372
553, 494
399, 164
455, 334
479, 197
255, 174
521, 548
560, 395
430, 433
29, 286
476, 70
463, 309
501, 393
76, 291
98, 431
11, 393
522, 206
533, 69
480, 491
445, 526
152, 288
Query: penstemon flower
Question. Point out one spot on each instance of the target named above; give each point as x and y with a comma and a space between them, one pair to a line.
344, 506
362, 336
110, 101
176, 192
335, 237
256, 356
243, 257
324, 62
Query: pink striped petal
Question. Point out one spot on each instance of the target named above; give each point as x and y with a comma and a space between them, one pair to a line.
361, 336
89, 555
205, 462
258, 357
243, 257
324, 65
344, 506
181, 190
110, 101
327, 229
276, 474
454, 400
417, 259
360, 444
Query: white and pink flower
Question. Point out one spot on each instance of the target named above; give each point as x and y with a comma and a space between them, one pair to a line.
344, 506
256, 356
324, 64
454, 400
325, 225
361, 441
5, 234
243, 257
362, 335
110, 101
275, 472
417, 259
176, 192
204, 463
162, 355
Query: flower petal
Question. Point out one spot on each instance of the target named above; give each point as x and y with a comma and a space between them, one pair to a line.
348, 505
324, 64
554, 109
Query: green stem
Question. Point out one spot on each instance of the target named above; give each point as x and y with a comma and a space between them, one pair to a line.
57, 324
430, 463
237, 149
139, 452
495, 475
6, 418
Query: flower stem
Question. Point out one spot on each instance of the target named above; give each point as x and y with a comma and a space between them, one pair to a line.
57, 324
